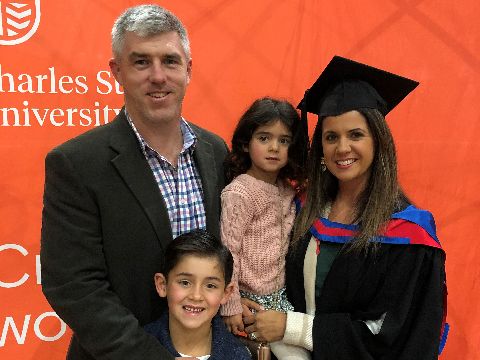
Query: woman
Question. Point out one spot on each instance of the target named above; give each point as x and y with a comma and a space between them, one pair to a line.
370, 264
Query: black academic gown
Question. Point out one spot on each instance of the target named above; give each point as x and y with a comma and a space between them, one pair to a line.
404, 280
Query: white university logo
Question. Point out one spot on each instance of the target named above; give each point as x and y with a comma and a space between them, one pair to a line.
18, 20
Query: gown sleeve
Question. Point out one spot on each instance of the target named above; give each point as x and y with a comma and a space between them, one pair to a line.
406, 284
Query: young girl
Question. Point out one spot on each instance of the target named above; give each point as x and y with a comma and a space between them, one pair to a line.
258, 211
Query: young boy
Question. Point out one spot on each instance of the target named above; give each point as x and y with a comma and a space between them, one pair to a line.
196, 281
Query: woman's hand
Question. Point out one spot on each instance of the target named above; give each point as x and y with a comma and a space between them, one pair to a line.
249, 305
234, 323
267, 325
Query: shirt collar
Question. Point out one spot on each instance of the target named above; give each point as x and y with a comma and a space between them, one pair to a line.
189, 137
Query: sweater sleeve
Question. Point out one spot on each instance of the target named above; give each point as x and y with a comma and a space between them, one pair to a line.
236, 216
298, 331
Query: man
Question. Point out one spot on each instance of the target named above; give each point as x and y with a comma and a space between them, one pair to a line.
117, 195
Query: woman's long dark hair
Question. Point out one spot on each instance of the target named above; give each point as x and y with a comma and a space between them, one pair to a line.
262, 112
381, 197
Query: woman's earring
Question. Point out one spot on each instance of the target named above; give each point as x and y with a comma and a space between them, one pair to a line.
322, 163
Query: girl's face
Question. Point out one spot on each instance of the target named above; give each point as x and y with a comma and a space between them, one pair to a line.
348, 147
268, 150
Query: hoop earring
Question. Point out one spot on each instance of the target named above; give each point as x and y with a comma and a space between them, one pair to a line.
322, 163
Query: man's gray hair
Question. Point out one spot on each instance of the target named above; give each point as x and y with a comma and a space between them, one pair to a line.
144, 21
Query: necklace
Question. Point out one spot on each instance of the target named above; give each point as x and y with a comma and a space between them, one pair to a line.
340, 214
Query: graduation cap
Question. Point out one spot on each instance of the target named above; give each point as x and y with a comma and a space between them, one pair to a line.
347, 85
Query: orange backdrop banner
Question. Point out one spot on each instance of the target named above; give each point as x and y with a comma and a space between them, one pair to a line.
55, 84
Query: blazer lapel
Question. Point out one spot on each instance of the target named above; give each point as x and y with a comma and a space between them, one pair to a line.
204, 158
135, 171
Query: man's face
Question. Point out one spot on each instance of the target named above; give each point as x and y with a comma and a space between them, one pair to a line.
154, 72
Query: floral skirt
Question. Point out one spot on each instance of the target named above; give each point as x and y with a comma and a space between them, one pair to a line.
275, 301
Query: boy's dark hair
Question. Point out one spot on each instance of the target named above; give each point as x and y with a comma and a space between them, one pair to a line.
262, 112
202, 244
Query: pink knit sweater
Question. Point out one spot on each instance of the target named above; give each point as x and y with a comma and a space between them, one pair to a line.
251, 228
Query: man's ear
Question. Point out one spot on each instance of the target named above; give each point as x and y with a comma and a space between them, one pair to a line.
115, 69
189, 71
161, 284
227, 293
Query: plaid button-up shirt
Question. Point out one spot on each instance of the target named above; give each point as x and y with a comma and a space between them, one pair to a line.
180, 185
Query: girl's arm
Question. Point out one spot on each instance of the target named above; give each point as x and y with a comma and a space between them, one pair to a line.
236, 216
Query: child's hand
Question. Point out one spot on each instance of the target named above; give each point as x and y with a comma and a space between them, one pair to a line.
234, 323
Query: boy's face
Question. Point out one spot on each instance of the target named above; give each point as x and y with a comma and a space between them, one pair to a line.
195, 289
